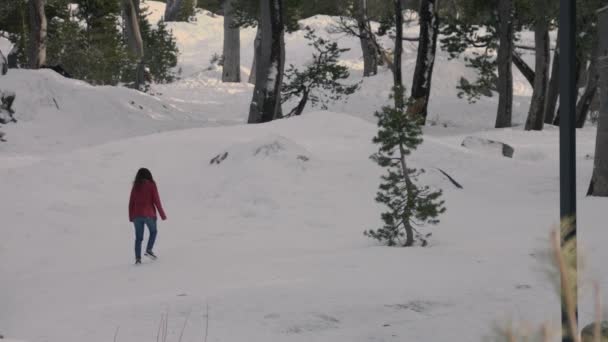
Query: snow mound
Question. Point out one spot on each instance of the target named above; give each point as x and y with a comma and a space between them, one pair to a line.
272, 148
57, 114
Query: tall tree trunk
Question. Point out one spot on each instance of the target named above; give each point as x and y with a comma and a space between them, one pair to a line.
232, 46
270, 54
427, 48
256, 45
599, 179
505, 59
134, 39
581, 69
397, 59
535, 119
553, 90
584, 103
38, 24
370, 53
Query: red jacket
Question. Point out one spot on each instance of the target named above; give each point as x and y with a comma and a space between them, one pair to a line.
144, 201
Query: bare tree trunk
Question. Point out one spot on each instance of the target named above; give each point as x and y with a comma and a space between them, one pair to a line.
256, 45
370, 53
232, 46
134, 39
270, 64
38, 26
553, 90
535, 119
599, 179
427, 48
397, 60
584, 104
505, 73
3, 64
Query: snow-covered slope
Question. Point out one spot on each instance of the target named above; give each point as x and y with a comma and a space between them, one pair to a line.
271, 239
267, 244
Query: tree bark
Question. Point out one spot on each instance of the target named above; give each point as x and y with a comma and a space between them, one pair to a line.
553, 90
505, 73
134, 39
232, 46
584, 104
599, 179
370, 53
535, 119
38, 27
256, 44
397, 59
270, 64
427, 48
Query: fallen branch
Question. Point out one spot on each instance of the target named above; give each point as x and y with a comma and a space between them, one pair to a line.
456, 184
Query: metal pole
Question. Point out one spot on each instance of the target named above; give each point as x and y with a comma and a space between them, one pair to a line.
568, 97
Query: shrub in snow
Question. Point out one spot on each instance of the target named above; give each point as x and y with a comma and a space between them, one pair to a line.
6, 111
321, 81
409, 205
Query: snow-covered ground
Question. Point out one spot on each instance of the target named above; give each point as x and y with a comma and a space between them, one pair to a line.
269, 242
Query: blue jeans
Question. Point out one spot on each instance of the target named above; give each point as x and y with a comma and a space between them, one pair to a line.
139, 223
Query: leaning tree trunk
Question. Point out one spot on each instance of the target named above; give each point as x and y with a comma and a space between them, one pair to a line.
134, 39
584, 104
535, 119
524, 68
232, 46
38, 25
270, 64
397, 59
427, 48
553, 90
370, 53
505, 73
256, 45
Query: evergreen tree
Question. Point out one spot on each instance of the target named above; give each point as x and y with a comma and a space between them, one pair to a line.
323, 73
409, 205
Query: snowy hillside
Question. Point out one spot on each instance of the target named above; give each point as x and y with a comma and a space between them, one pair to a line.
267, 244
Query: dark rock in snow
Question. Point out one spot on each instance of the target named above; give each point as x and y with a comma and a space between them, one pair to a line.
476, 143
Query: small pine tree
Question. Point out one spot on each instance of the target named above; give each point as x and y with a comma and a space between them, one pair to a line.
322, 73
409, 204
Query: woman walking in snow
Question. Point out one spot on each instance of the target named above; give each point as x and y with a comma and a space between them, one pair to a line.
143, 205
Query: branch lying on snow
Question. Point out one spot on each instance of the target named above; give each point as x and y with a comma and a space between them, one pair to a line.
456, 184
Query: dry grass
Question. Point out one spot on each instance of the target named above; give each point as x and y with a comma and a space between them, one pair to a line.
564, 261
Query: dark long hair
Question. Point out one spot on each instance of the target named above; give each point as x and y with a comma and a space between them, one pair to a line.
143, 175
